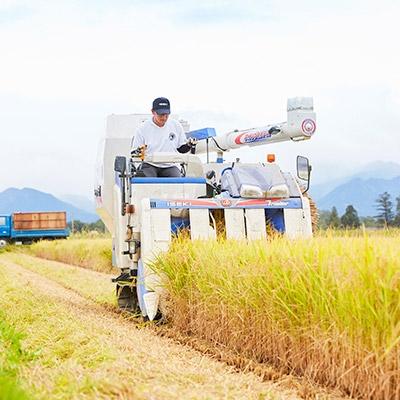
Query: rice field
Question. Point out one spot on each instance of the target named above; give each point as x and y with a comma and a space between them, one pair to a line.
327, 309
81, 250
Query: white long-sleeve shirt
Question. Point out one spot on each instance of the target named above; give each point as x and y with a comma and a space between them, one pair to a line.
160, 139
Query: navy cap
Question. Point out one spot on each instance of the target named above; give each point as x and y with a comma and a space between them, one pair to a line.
161, 105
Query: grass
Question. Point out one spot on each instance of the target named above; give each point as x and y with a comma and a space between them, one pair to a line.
69, 352
11, 357
327, 308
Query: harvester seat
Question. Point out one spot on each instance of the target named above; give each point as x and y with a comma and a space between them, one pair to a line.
191, 162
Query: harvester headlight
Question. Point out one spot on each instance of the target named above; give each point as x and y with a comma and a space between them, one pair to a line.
251, 191
278, 191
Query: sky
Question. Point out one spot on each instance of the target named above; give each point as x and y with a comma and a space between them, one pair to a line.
66, 65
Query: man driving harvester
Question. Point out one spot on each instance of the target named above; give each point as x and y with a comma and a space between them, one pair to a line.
161, 134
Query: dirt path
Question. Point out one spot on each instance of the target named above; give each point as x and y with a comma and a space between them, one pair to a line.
140, 365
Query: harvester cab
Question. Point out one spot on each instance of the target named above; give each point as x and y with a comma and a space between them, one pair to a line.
212, 198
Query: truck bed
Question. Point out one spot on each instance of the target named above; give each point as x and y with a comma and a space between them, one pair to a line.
34, 221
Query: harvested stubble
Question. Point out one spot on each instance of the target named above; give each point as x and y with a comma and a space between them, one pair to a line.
328, 308
73, 348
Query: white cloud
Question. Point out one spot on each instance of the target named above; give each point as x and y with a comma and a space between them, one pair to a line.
66, 65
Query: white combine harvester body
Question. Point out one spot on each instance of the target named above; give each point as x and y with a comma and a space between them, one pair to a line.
143, 214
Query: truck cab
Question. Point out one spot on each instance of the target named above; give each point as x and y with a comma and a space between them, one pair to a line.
5, 227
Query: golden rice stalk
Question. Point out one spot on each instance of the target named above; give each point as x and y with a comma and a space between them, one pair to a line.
314, 212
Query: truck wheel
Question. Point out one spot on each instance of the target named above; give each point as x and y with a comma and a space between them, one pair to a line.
127, 299
3, 243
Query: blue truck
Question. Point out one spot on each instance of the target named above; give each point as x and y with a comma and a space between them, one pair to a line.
26, 227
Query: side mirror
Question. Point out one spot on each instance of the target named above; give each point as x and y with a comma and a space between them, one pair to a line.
304, 170
120, 164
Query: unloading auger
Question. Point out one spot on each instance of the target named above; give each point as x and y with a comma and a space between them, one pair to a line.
143, 214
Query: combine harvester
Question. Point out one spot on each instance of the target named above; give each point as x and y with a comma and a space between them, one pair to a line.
143, 214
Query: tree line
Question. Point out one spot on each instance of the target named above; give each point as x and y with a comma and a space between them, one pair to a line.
77, 226
388, 214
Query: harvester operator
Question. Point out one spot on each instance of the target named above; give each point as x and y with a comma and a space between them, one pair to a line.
161, 134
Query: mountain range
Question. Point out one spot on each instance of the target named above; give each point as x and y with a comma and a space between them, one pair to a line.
80, 202
30, 200
360, 189
377, 169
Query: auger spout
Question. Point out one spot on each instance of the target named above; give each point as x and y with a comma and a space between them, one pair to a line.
300, 125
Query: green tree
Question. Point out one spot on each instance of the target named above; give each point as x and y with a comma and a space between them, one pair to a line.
384, 206
350, 218
76, 226
97, 226
334, 220
323, 219
79, 226
397, 217
369, 222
